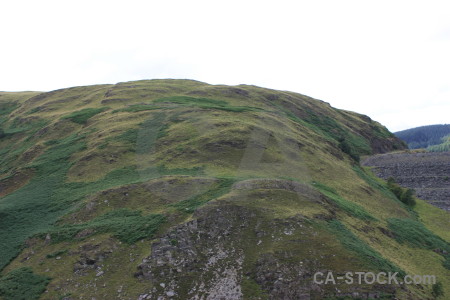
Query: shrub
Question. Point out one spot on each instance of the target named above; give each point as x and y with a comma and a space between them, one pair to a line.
394, 187
2, 133
404, 195
407, 197
346, 148
437, 290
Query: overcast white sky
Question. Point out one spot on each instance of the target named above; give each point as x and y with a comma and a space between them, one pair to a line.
387, 59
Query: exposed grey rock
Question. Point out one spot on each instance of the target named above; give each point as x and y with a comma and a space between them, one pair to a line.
230, 246
427, 173
100, 273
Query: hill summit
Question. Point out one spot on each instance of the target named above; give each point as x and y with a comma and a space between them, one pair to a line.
177, 189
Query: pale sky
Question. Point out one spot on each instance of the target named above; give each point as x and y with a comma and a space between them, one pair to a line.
387, 59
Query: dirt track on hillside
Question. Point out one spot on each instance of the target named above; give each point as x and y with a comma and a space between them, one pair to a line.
427, 173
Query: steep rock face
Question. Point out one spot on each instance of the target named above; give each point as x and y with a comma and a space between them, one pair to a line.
383, 145
427, 173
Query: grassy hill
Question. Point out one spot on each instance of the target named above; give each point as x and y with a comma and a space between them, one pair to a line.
433, 137
180, 189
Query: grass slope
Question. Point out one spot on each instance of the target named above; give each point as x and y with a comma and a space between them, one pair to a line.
111, 170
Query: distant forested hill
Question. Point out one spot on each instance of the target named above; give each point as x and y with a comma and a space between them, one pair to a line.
424, 136
443, 147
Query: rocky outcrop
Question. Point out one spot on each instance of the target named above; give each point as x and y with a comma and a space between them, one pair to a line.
223, 253
201, 257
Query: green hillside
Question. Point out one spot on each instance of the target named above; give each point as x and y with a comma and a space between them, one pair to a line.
179, 189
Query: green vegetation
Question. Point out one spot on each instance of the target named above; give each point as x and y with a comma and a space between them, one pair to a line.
417, 235
349, 143
381, 131
443, 147
37, 205
149, 131
51, 142
351, 208
360, 248
138, 108
5, 109
34, 110
407, 197
446, 262
56, 254
195, 171
82, 116
128, 137
143, 139
22, 284
437, 290
355, 145
402, 194
148, 168
184, 100
433, 218
126, 225
346, 148
30, 127
374, 182
220, 188
252, 290
205, 103
34, 208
